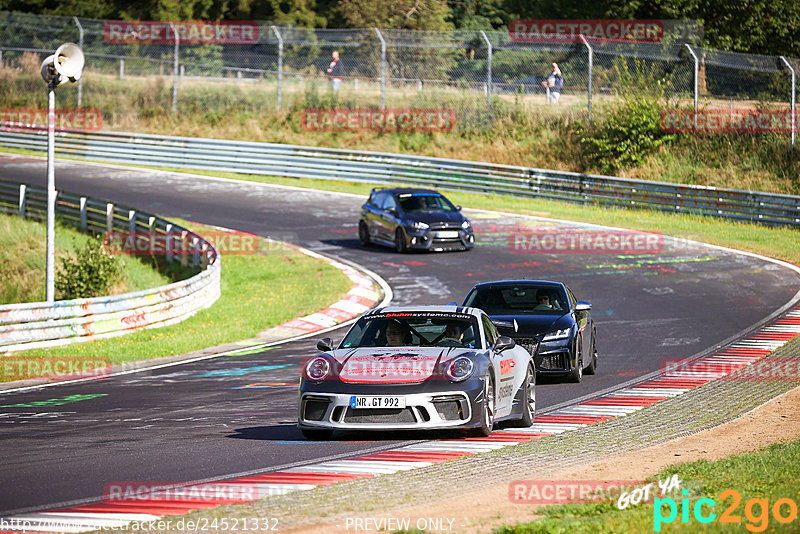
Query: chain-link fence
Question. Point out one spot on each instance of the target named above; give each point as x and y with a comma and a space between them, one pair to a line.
478, 74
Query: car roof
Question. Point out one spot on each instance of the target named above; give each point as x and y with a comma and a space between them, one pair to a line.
520, 283
449, 308
407, 190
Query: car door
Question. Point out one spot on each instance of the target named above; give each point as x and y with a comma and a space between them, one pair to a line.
388, 217
504, 371
584, 328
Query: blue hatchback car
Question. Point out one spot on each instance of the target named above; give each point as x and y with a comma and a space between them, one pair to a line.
414, 219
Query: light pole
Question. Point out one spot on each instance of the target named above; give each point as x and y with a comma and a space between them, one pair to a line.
64, 66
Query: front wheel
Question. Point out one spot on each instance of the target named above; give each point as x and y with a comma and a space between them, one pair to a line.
577, 374
487, 408
399, 240
592, 368
363, 234
528, 391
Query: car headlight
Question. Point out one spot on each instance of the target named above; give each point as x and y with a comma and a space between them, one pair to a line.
466, 224
460, 369
556, 334
318, 369
419, 225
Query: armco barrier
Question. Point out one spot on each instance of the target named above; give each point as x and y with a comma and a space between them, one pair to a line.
40, 324
375, 167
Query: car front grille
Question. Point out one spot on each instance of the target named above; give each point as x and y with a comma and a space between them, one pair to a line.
558, 361
531, 344
315, 409
449, 408
383, 415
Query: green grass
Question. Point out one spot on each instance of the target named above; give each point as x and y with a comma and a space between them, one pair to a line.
258, 291
771, 473
22, 255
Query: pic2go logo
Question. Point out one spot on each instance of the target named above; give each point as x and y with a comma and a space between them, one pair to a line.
756, 511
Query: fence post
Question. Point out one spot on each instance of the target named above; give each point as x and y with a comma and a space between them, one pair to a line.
170, 240
794, 118
280, 65
383, 69
109, 217
589, 85
80, 45
23, 200
696, 80
488, 72
175, 68
121, 68
83, 213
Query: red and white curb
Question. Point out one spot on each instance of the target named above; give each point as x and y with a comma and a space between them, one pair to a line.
670, 383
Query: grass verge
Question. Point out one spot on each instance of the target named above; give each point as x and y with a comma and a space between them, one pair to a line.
22, 257
758, 504
259, 291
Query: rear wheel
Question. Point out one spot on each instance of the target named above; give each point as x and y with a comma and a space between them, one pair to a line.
528, 391
316, 434
363, 234
399, 240
487, 407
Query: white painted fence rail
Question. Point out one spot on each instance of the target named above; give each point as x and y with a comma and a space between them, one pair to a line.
34, 325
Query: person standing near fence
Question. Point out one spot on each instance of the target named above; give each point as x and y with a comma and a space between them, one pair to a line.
336, 71
554, 84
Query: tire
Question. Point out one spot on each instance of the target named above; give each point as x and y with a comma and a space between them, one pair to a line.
592, 369
528, 391
317, 434
363, 234
576, 375
487, 408
399, 241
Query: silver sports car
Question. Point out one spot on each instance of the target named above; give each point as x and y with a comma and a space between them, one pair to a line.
421, 367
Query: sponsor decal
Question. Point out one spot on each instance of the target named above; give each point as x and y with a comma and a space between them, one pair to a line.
721, 121
66, 119
189, 32
507, 366
378, 120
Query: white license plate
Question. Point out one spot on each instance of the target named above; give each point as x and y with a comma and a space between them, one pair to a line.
377, 402
447, 234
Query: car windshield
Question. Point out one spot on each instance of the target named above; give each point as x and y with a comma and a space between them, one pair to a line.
406, 329
509, 300
420, 202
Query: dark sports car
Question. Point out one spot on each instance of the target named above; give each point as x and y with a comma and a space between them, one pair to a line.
546, 319
417, 368
420, 219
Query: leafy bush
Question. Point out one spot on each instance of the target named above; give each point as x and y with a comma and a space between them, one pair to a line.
89, 274
629, 134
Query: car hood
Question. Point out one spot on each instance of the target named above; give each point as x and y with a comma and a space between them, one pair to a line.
389, 365
451, 218
531, 325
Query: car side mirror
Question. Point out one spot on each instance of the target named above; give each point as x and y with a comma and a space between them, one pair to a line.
392, 211
582, 306
503, 343
325, 344
458, 208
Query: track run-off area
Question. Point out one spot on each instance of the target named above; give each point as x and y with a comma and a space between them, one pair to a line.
233, 417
